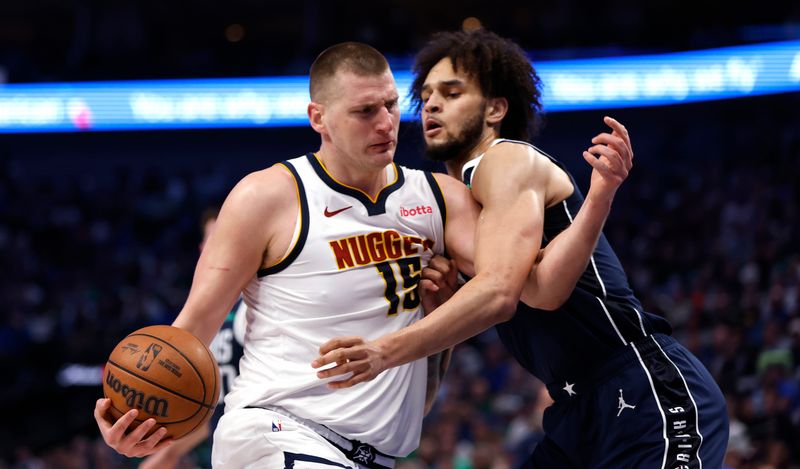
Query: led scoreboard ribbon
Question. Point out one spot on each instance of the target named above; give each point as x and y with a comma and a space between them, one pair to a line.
569, 85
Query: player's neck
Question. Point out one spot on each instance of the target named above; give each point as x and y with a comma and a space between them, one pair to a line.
367, 179
456, 165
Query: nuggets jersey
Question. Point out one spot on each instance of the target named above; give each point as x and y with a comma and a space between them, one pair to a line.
353, 270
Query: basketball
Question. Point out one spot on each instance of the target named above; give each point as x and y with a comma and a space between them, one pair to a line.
167, 374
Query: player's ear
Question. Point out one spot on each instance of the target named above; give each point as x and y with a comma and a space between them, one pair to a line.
496, 109
316, 112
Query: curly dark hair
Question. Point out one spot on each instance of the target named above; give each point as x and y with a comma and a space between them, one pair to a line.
501, 69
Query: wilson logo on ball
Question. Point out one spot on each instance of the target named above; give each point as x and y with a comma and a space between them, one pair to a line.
134, 398
161, 370
149, 357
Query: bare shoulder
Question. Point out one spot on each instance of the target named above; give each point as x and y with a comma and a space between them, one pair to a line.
516, 167
515, 157
263, 207
514, 164
449, 183
269, 188
457, 195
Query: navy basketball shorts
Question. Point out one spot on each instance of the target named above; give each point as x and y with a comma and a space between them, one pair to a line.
653, 406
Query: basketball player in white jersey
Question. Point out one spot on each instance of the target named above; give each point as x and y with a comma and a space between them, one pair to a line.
330, 243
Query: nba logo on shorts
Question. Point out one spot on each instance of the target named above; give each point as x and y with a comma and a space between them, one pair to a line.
147, 358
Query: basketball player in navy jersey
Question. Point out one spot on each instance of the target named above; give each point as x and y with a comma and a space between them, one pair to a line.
332, 242
227, 348
626, 394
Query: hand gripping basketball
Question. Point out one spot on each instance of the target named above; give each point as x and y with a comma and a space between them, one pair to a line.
157, 377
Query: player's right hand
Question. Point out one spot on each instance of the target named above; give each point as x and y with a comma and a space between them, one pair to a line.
133, 444
439, 282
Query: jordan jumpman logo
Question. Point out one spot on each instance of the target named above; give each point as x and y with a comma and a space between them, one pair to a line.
623, 405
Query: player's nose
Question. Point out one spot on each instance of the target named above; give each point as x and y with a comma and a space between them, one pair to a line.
432, 104
384, 121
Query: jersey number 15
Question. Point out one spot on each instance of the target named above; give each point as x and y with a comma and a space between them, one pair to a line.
410, 269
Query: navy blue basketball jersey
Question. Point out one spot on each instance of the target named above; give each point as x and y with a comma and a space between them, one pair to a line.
600, 317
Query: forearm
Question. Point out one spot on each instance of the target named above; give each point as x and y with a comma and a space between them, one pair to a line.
213, 293
564, 260
477, 306
202, 324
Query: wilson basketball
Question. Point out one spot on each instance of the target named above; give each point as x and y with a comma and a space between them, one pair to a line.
168, 374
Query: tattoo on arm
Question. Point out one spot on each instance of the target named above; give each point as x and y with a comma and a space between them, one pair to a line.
437, 367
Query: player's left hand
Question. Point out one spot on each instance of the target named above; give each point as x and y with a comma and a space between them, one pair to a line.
611, 158
439, 282
350, 354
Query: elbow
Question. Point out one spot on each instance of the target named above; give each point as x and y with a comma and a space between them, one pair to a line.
505, 305
553, 303
554, 299
545, 302
494, 297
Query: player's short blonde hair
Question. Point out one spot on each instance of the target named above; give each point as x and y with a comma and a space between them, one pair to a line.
354, 57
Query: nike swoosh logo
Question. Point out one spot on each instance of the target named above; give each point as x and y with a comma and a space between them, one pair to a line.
335, 212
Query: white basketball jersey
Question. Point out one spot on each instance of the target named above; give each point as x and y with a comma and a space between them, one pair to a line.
353, 270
